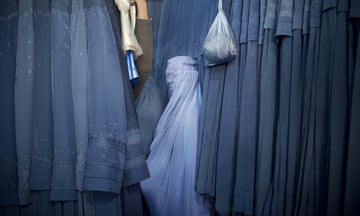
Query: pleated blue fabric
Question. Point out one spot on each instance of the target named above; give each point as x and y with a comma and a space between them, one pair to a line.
68, 122
282, 146
79, 86
107, 121
338, 109
267, 122
23, 98
63, 181
8, 154
228, 124
244, 187
297, 76
352, 176
267, 113
43, 135
273, 132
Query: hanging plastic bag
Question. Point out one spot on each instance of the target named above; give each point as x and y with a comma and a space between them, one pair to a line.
219, 46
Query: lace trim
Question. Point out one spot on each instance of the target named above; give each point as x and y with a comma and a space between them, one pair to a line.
110, 137
135, 152
63, 176
111, 142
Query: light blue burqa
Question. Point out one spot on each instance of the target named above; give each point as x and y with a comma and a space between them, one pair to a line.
170, 189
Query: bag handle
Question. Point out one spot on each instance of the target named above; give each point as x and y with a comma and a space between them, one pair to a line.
220, 5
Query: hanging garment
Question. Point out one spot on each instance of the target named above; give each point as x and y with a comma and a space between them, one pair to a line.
284, 37
172, 158
23, 97
121, 141
339, 110
67, 81
267, 113
218, 180
63, 181
135, 160
244, 187
42, 150
209, 131
228, 123
105, 158
352, 187
307, 64
267, 116
305, 189
323, 110
213, 88
79, 86
295, 105
8, 156
149, 108
282, 143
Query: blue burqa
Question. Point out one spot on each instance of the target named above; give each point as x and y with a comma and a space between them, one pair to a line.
170, 189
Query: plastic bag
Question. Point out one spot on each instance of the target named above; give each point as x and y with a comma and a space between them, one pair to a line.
219, 46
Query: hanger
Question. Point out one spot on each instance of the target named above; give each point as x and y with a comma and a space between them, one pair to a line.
131, 47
